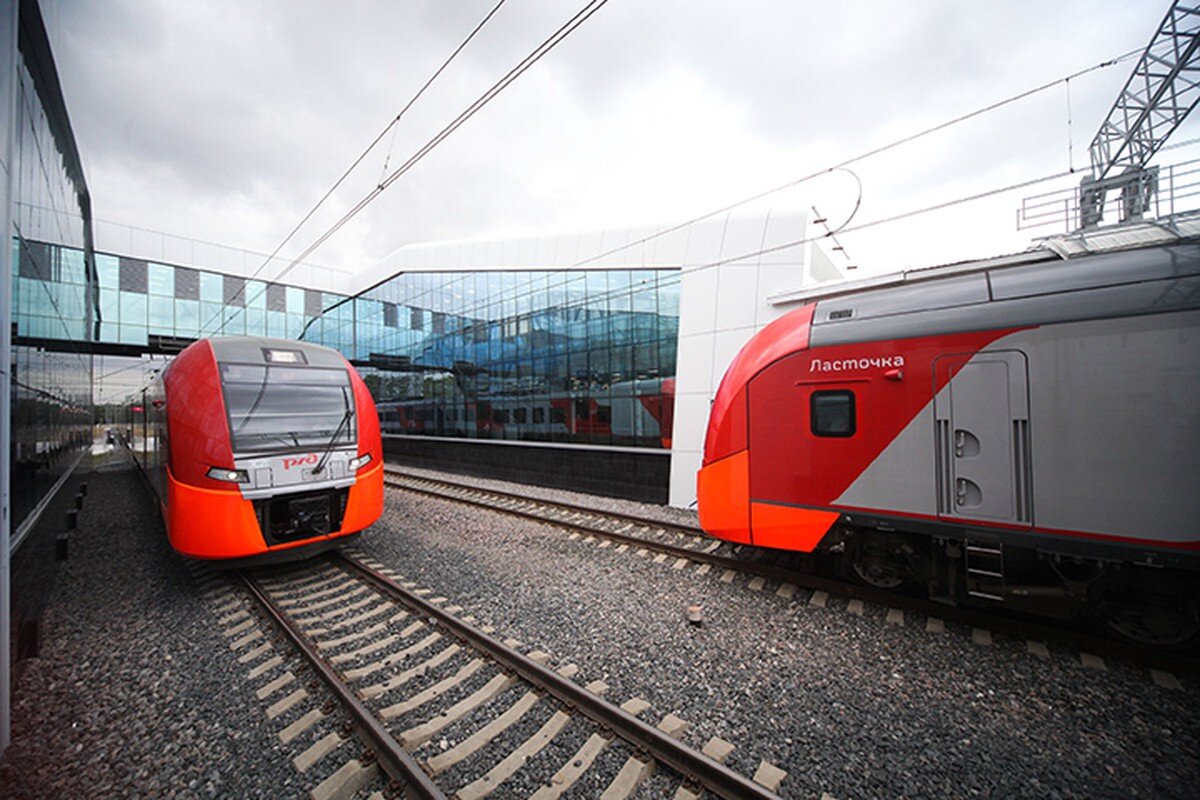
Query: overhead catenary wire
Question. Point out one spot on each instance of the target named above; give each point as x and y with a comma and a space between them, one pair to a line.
391, 126
471, 110
532, 58
880, 221
862, 156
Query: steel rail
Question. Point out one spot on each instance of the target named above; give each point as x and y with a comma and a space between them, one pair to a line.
694, 766
965, 615
395, 760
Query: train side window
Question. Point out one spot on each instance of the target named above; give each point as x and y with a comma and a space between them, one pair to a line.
519, 415
539, 415
832, 413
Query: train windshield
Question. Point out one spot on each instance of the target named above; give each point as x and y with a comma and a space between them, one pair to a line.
279, 408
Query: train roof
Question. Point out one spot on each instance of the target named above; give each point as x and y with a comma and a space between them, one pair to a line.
1183, 230
265, 350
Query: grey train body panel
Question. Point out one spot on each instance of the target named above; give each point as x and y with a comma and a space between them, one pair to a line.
1090, 415
1113, 434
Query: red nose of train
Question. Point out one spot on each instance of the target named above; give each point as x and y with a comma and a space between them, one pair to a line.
723, 483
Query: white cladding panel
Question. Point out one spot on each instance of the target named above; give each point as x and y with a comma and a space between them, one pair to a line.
722, 305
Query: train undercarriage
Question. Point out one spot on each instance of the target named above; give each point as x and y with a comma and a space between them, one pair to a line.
1150, 605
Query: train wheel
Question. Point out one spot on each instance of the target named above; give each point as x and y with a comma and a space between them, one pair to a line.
881, 561
1152, 618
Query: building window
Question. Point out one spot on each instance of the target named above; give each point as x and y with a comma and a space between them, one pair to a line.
276, 297
187, 284
233, 291
312, 303
133, 275
832, 413
33, 261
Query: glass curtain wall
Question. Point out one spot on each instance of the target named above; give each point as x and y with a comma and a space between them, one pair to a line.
140, 302
45, 393
52, 290
581, 356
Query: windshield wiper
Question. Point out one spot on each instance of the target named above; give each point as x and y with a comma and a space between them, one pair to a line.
333, 440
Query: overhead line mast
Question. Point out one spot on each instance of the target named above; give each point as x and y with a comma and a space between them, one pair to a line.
1162, 90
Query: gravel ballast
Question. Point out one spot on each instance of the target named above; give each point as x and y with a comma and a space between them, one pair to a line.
135, 692
849, 705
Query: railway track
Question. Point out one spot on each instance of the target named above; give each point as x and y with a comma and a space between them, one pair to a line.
407, 670
688, 544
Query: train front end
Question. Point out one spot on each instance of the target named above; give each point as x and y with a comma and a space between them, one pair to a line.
728, 506
274, 450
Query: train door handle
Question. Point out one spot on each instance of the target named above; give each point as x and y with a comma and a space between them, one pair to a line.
966, 444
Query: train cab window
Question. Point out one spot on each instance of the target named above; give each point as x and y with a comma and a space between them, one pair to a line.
284, 407
832, 413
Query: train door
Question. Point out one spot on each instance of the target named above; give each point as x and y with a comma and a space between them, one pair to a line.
982, 438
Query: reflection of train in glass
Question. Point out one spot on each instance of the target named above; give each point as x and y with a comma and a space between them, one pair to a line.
638, 412
263, 448
1024, 430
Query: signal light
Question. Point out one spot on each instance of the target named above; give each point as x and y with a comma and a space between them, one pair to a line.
229, 475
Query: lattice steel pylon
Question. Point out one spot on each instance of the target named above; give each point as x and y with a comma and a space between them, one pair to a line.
1162, 90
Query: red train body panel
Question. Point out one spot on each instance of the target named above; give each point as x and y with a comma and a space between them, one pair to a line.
260, 449
1027, 412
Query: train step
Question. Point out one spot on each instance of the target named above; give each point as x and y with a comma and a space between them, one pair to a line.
985, 571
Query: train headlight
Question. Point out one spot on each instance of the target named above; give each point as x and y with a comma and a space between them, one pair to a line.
229, 475
360, 462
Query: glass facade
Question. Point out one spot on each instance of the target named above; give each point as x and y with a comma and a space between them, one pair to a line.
142, 303
582, 356
45, 394
50, 391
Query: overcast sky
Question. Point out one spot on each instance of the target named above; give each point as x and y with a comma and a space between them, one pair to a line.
226, 121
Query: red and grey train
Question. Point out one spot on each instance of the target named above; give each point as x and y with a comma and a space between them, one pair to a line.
1022, 430
261, 449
